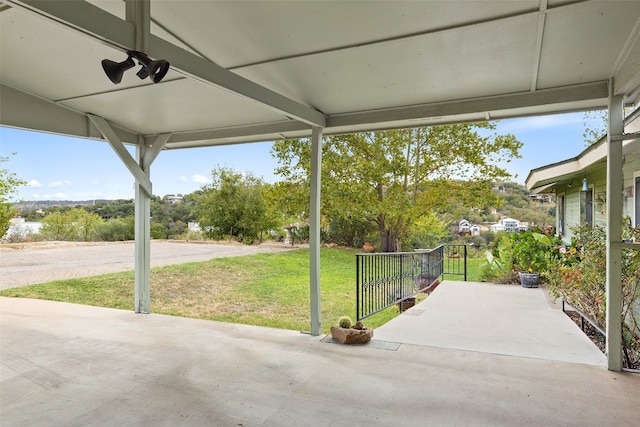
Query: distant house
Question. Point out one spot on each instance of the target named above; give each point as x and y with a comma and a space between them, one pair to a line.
465, 227
496, 227
509, 225
580, 184
171, 199
540, 197
19, 229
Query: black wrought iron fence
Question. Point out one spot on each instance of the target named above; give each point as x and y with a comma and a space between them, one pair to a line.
386, 279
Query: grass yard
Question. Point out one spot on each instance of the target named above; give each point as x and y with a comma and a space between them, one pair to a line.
264, 290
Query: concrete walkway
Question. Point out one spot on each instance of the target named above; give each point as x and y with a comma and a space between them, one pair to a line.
498, 319
72, 365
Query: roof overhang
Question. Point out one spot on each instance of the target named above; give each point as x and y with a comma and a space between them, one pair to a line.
268, 70
556, 176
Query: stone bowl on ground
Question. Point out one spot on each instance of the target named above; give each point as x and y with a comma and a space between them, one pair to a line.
350, 335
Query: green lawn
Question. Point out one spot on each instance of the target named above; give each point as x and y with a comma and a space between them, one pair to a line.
264, 289
473, 270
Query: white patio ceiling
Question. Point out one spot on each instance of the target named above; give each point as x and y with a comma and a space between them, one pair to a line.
264, 70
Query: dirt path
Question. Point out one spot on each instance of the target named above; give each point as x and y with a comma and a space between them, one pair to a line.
29, 263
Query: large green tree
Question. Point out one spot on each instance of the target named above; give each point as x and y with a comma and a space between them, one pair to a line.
234, 205
74, 225
9, 184
391, 179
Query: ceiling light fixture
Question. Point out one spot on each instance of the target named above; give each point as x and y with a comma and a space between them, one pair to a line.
154, 69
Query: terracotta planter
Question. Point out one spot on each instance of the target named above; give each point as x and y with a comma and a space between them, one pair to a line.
350, 335
368, 247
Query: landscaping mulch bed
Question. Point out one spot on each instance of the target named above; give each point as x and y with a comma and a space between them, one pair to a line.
596, 337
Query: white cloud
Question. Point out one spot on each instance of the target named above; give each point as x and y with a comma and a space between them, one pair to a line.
540, 122
59, 184
200, 179
34, 183
182, 178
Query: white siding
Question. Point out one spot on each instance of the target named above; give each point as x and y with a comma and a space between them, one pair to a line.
598, 182
631, 170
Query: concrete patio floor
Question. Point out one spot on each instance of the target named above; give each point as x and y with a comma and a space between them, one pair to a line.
72, 365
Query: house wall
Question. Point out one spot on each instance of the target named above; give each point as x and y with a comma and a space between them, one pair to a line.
597, 181
631, 170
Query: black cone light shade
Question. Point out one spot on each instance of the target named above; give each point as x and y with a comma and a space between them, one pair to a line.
115, 70
154, 69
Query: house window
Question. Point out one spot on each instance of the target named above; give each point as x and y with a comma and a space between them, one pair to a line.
586, 207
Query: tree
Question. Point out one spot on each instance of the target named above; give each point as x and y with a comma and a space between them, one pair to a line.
74, 225
595, 126
391, 179
234, 205
9, 183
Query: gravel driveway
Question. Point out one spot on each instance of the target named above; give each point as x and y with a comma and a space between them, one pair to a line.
29, 263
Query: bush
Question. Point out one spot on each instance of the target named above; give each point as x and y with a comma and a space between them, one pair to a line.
578, 275
116, 230
498, 267
531, 251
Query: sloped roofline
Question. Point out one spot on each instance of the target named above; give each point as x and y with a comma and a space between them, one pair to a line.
545, 177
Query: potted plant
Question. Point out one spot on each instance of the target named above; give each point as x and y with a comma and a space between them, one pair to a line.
530, 255
347, 333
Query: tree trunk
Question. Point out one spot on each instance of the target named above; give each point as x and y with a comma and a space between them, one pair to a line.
389, 241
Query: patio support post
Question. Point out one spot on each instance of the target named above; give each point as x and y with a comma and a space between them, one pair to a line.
143, 239
140, 168
145, 157
614, 231
314, 231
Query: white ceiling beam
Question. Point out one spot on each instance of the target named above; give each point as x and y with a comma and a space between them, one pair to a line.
23, 110
237, 131
107, 28
155, 148
136, 170
561, 95
542, 16
570, 98
138, 12
626, 69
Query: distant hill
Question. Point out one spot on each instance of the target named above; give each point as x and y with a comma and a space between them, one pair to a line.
41, 204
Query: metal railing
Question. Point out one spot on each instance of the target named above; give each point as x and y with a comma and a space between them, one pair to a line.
385, 279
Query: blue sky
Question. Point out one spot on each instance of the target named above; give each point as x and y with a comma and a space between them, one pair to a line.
63, 168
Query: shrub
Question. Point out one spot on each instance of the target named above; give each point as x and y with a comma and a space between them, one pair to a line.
578, 275
498, 267
531, 251
116, 230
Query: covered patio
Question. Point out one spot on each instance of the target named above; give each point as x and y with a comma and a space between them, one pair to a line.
437, 364
243, 72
